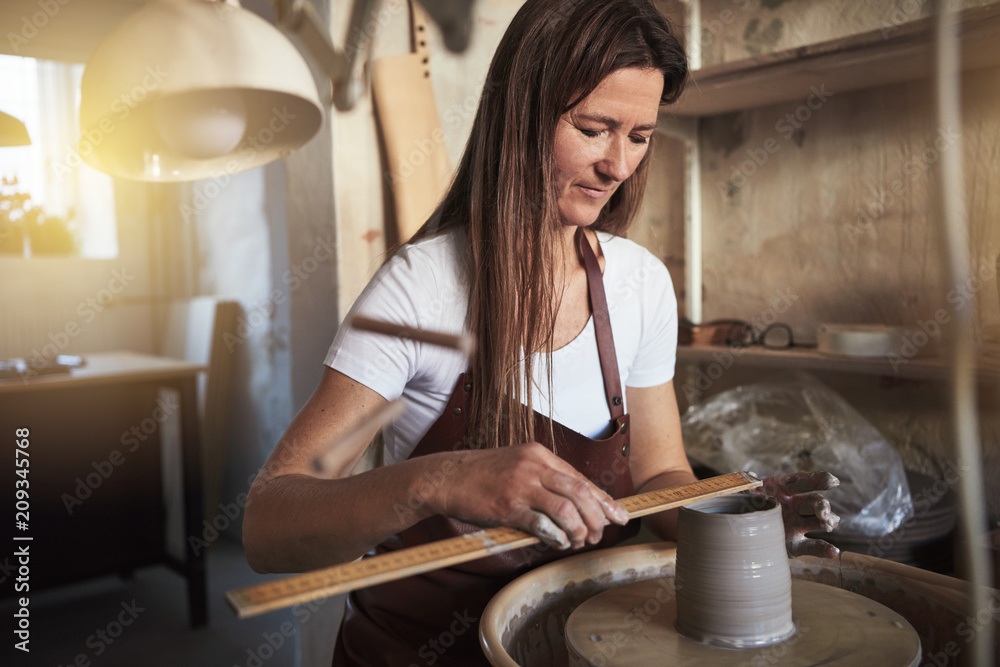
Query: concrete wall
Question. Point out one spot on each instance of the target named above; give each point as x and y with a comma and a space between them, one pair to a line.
242, 253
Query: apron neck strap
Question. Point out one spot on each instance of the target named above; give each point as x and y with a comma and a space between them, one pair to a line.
602, 326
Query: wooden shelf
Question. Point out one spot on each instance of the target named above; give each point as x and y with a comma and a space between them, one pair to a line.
866, 60
807, 358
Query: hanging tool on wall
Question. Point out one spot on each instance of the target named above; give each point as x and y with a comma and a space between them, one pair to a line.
347, 68
416, 159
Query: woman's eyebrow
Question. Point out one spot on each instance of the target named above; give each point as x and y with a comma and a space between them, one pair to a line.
613, 123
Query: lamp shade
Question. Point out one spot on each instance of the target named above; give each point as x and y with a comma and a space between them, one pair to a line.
12, 131
189, 89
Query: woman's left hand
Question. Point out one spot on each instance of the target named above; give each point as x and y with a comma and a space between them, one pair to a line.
804, 511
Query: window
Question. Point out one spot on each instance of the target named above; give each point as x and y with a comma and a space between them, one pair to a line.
47, 182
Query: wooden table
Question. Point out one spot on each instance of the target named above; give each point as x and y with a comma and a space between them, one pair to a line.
95, 475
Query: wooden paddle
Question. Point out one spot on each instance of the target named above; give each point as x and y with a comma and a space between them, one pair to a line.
417, 167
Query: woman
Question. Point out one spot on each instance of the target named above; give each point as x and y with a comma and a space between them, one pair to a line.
525, 246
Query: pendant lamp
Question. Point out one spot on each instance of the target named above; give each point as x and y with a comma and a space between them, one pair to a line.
190, 89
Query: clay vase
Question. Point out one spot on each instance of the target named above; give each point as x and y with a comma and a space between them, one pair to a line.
734, 588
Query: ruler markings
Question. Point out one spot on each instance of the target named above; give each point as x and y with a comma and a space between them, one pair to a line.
380, 569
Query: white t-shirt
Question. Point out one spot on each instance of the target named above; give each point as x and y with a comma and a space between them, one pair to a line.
423, 286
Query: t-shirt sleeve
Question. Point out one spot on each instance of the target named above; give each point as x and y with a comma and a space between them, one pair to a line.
383, 363
657, 353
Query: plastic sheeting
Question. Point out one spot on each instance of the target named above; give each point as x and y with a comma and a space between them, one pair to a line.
796, 423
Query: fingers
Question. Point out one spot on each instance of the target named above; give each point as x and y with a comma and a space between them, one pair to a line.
530, 488
804, 510
800, 525
807, 482
812, 547
613, 512
572, 508
559, 523
547, 531
812, 505
811, 513
578, 507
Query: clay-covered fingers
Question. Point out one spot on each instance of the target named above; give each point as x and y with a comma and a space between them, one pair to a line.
579, 507
614, 512
545, 529
612, 509
813, 504
805, 546
811, 513
802, 482
797, 527
804, 510
530, 488
797, 495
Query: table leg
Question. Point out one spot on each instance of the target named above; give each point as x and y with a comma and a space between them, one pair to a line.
194, 561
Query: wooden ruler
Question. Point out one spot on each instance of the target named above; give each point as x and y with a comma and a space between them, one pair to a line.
385, 567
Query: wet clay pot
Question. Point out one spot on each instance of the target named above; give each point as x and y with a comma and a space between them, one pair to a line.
734, 587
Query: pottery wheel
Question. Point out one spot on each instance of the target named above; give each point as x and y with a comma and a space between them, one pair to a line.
633, 625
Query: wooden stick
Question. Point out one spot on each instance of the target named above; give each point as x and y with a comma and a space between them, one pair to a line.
394, 565
359, 435
461, 342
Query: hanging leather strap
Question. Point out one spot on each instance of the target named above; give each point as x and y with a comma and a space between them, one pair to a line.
602, 327
418, 35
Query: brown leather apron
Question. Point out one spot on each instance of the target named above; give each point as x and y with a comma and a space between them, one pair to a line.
433, 618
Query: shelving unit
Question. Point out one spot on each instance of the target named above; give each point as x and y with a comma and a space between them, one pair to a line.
882, 57
809, 359
889, 55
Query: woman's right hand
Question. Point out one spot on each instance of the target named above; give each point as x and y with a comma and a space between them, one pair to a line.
529, 488
286, 529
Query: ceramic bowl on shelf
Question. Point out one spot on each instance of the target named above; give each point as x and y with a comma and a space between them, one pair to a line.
860, 340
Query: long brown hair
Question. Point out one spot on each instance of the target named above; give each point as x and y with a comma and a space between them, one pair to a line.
554, 54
